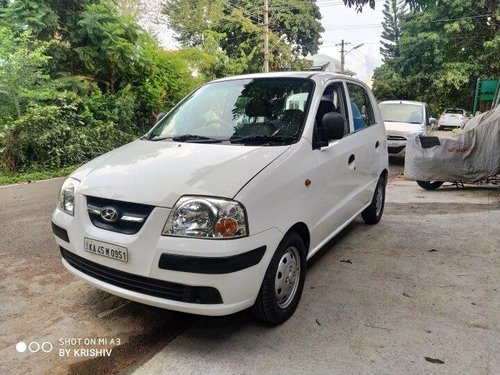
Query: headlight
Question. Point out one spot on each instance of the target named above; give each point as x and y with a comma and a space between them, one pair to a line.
203, 217
67, 196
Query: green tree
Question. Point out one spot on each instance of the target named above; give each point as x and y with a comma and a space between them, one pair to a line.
23, 72
299, 20
393, 12
105, 81
231, 30
190, 19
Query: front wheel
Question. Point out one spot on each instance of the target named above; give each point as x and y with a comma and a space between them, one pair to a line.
429, 185
283, 282
373, 213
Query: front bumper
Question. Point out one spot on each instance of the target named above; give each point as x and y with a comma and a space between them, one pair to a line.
234, 269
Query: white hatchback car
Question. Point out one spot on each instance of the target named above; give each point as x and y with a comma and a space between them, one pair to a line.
452, 118
403, 118
218, 207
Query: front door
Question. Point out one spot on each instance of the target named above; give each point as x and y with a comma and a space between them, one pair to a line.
335, 171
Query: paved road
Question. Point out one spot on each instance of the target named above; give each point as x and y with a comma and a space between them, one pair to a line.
343, 307
41, 301
416, 294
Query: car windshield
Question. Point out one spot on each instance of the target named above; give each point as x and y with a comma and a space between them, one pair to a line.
402, 112
454, 111
268, 111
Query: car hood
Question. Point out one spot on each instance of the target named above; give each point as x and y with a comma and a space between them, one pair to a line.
158, 173
402, 128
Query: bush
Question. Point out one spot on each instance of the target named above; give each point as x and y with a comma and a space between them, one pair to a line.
51, 136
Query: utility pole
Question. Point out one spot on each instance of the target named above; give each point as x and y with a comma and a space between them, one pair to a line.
266, 36
342, 57
343, 52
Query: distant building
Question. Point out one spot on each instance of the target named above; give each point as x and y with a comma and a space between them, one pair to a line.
325, 63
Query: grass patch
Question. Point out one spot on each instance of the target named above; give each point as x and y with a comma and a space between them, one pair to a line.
14, 178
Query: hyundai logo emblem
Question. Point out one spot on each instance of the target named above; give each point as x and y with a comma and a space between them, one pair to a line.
109, 214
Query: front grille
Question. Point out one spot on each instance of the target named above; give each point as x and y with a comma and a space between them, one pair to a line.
395, 138
395, 150
131, 216
141, 284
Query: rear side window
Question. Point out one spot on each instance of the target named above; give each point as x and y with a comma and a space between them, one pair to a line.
454, 111
361, 107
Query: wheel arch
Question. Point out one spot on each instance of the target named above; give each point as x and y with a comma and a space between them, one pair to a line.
303, 231
385, 174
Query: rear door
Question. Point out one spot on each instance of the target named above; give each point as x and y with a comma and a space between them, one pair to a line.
367, 140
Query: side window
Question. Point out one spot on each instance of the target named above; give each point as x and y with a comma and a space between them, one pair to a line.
333, 100
361, 107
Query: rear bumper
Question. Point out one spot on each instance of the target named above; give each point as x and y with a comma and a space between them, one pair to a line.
396, 148
447, 124
396, 151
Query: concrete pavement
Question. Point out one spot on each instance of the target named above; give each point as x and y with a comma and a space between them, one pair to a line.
418, 294
422, 283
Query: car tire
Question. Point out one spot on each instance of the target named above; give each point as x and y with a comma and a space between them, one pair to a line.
430, 185
283, 282
373, 213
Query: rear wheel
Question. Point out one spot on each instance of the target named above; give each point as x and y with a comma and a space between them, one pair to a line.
373, 213
429, 185
283, 282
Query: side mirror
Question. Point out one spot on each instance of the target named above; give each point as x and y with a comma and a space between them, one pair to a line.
332, 126
432, 121
160, 116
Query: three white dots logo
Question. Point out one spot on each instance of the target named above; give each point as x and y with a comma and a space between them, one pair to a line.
34, 347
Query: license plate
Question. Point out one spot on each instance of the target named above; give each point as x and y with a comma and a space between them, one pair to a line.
105, 249
393, 144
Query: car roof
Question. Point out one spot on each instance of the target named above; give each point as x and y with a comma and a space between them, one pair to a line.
413, 102
302, 74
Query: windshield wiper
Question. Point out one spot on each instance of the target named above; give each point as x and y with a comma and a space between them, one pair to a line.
194, 137
158, 138
263, 139
187, 138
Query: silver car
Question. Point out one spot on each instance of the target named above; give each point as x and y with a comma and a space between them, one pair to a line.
403, 118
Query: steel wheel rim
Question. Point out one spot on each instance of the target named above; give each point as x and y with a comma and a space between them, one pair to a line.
379, 200
287, 278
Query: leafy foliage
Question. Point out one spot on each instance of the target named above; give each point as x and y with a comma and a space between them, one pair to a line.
22, 73
299, 20
77, 79
412, 4
232, 32
53, 136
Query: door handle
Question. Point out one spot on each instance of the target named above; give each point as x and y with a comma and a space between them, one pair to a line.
351, 159
377, 144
